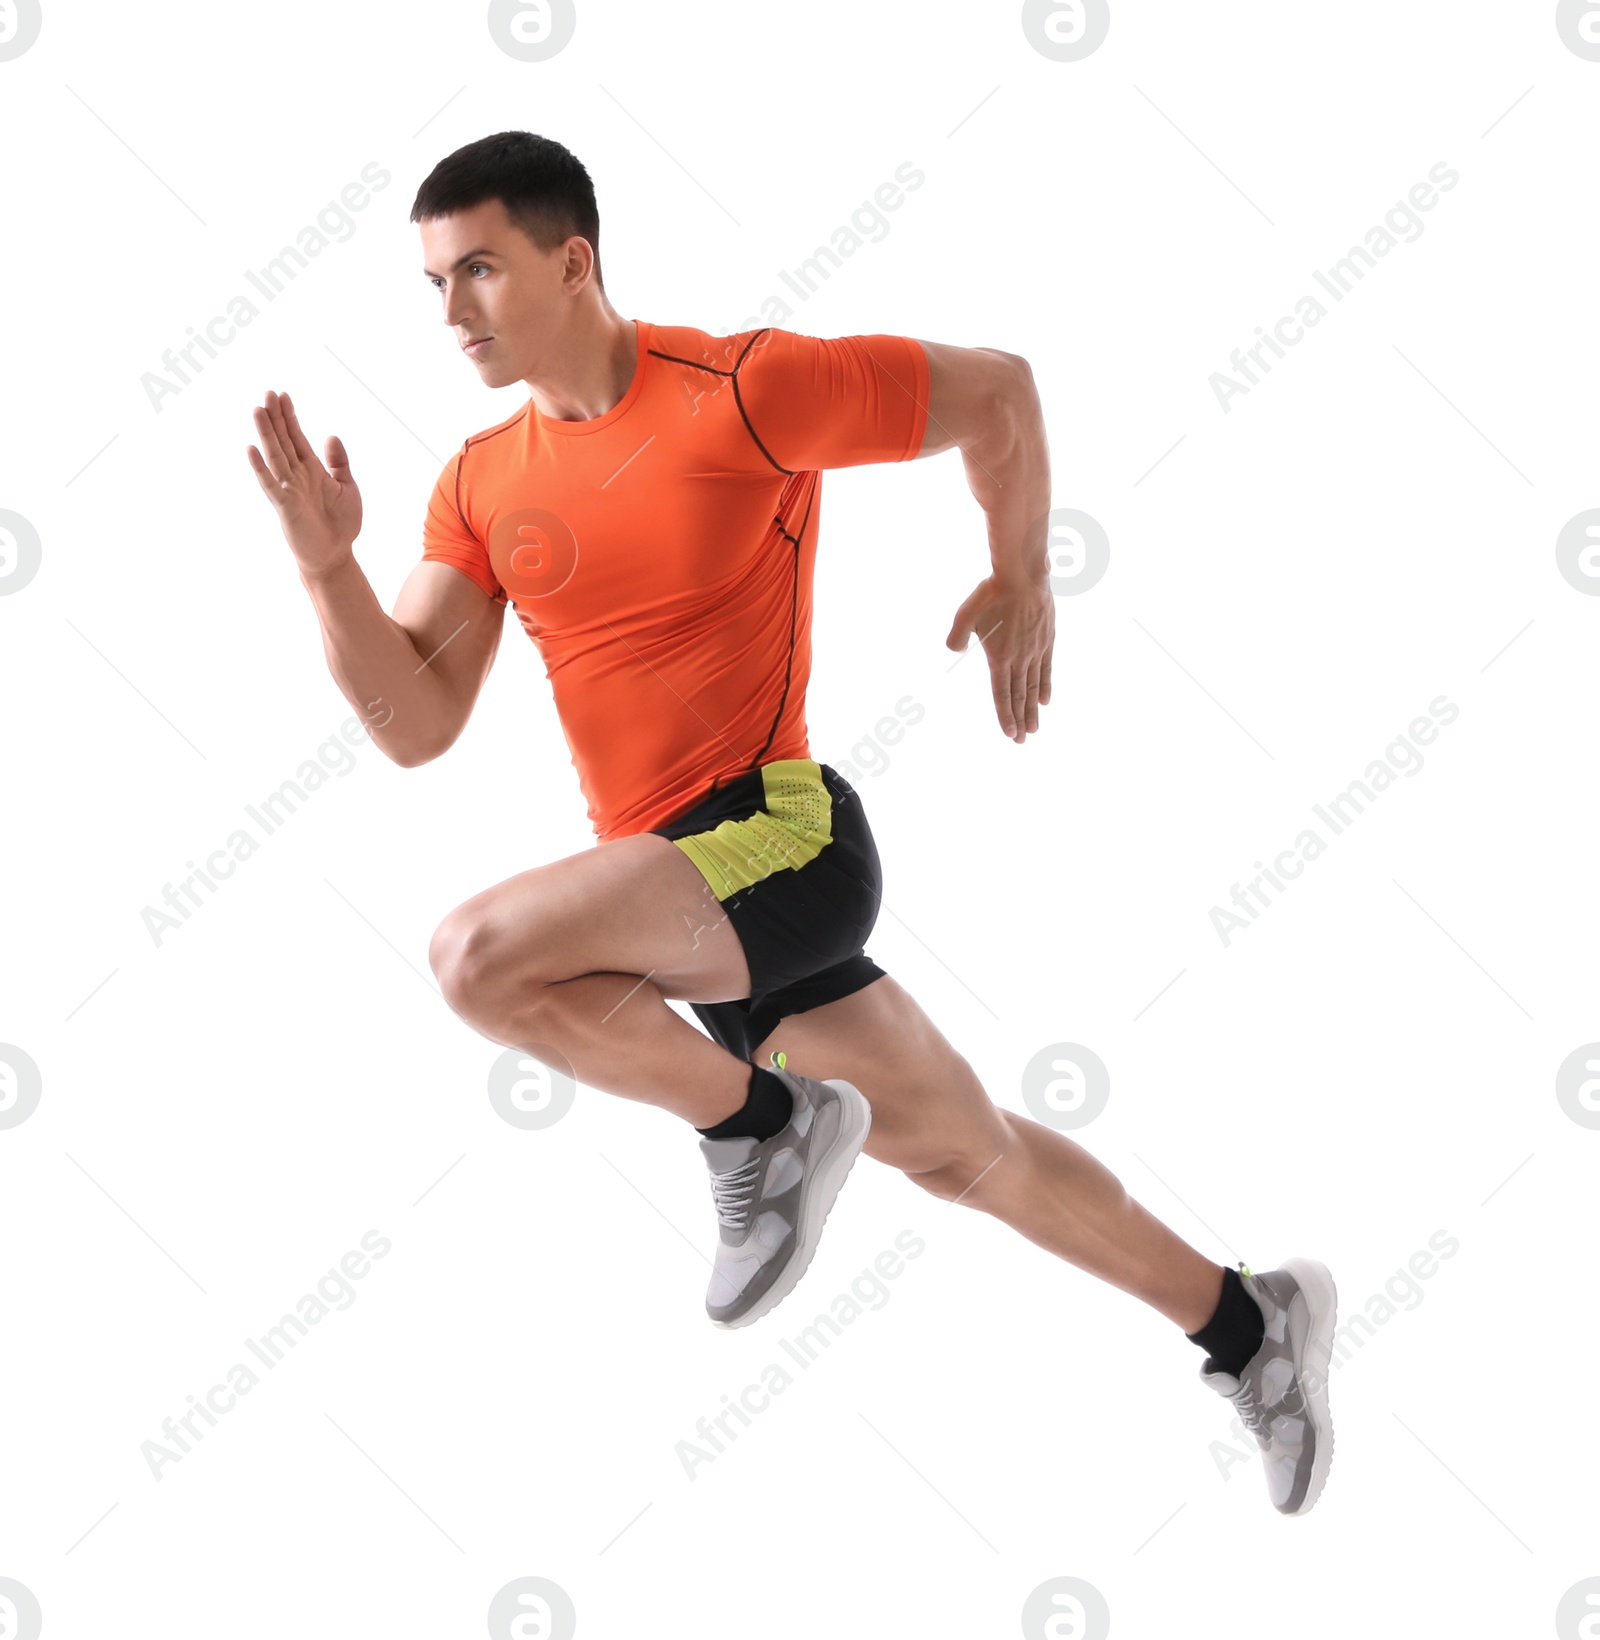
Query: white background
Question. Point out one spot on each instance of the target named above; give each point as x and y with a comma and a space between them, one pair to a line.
1290, 584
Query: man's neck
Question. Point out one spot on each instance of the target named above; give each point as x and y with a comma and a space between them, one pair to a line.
593, 373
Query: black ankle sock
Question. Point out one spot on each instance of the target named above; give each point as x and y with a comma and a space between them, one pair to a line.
767, 1108
1234, 1332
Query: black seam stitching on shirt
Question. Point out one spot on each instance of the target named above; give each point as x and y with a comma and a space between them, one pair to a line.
694, 364
744, 414
461, 456
478, 438
733, 376
794, 622
494, 432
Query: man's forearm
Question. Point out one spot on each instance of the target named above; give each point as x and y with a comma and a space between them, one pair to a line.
1008, 472
377, 667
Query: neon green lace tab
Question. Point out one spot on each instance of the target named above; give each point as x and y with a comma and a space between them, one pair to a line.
1244, 1267
779, 1059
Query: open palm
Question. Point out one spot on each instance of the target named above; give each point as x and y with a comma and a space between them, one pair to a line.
319, 507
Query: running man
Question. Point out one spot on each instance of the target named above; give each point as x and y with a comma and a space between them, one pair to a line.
651, 514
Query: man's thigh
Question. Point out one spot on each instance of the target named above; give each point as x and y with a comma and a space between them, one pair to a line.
637, 905
929, 1110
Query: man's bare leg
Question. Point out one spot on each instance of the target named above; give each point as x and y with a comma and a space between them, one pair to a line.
579, 956
932, 1119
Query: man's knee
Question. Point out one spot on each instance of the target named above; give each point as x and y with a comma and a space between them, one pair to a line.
473, 960
963, 1166
455, 952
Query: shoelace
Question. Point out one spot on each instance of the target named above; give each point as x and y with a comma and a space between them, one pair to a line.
1252, 1414
734, 1190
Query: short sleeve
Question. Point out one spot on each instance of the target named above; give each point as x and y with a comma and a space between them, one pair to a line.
812, 403
447, 538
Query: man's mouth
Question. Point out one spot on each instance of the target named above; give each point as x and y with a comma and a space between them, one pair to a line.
472, 349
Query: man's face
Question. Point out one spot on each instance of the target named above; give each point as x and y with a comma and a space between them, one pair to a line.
496, 283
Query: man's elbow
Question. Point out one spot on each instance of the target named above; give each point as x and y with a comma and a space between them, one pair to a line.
1022, 409
1011, 400
413, 753
425, 731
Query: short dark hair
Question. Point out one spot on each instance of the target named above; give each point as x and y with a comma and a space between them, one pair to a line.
542, 185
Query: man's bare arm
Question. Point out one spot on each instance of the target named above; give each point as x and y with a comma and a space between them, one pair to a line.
983, 402
414, 676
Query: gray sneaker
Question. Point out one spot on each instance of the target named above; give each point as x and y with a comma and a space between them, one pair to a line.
772, 1195
1282, 1393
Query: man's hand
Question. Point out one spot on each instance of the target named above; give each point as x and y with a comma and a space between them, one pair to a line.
1017, 628
319, 507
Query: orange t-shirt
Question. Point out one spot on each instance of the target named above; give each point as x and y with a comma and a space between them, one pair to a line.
660, 556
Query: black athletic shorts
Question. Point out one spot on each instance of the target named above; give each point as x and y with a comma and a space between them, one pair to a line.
787, 850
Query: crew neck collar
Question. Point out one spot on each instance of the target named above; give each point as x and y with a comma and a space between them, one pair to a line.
593, 424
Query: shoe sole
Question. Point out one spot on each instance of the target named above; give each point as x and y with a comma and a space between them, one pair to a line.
825, 1184
1322, 1307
